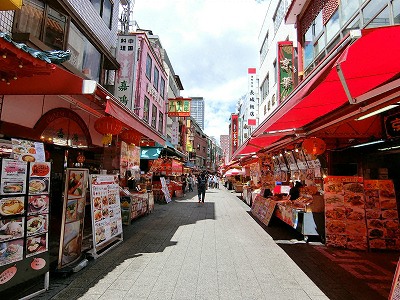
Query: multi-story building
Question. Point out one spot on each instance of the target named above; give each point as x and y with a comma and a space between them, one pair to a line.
273, 30
224, 142
197, 110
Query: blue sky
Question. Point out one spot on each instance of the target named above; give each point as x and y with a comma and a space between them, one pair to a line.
210, 43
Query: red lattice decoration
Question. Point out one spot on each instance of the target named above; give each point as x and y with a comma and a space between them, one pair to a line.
328, 7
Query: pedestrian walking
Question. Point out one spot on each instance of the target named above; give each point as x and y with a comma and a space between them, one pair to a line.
190, 182
201, 186
183, 180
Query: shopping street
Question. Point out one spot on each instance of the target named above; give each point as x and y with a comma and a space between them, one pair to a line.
186, 250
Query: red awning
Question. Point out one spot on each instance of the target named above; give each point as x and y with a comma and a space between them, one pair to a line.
125, 116
367, 63
255, 144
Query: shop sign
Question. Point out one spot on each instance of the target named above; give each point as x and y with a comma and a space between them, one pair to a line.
125, 77
175, 133
252, 103
179, 107
285, 69
392, 125
234, 132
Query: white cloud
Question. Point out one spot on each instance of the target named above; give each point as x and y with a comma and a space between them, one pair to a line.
210, 43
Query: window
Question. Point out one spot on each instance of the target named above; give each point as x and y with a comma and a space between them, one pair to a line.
381, 19
308, 47
84, 56
275, 71
265, 88
279, 14
162, 88
160, 122
333, 26
264, 49
104, 8
149, 66
156, 78
396, 11
154, 116
348, 9
50, 28
146, 109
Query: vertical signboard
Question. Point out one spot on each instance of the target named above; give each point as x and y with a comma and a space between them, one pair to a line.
106, 211
234, 133
175, 133
73, 216
125, 77
252, 103
285, 70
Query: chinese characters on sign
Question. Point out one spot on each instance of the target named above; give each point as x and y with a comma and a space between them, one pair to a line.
285, 72
125, 75
234, 133
179, 107
252, 103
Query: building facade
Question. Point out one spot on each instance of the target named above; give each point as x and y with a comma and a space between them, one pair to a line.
197, 110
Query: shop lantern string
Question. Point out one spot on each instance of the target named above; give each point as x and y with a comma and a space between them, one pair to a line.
131, 137
107, 126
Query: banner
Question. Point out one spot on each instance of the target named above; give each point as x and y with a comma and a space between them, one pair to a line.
179, 107
125, 77
252, 103
285, 71
234, 133
175, 133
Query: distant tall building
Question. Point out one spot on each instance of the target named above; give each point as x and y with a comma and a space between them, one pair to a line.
224, 142
197, 110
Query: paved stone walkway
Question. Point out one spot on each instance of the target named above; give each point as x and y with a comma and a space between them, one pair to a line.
187, 250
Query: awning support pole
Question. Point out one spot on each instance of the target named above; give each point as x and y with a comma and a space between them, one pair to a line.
344, 84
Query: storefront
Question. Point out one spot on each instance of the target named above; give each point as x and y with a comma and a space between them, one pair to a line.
48, 111
337, 133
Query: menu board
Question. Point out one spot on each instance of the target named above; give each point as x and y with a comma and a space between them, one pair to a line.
76, 184
24, 219
382, 215
263, 209
28, 151
106, 209
345, 212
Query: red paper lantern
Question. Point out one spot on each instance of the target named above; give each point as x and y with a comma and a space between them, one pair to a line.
107, 126
314, 146
131, 136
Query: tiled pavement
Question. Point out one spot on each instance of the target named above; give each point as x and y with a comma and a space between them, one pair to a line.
216, 250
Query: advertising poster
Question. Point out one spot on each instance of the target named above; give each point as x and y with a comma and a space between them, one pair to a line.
24, 208
76, 185
165, 190
28, 151
345, 212
382, 215
106, 209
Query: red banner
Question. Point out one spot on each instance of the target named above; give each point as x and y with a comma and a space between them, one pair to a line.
234, 132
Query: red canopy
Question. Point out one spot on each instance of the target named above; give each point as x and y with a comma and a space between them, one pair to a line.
367, 63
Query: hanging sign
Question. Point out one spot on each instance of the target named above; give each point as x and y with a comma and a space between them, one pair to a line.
285, 70
179, 107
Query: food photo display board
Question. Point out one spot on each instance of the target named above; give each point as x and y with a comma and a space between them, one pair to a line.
106, 212
73, 216
24, 219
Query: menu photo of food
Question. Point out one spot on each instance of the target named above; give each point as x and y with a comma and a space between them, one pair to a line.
37, 224
36, 244
38, 204
71, 211
76, 184
28, 151
12, 187
12, 206
72, 242
100, 233
39, 185
11, 229
11, 251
